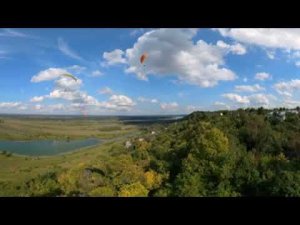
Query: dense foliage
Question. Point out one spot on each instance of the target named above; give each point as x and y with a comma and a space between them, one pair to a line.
253, 152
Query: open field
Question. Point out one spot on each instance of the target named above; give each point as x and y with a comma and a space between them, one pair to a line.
23, 128
17, 169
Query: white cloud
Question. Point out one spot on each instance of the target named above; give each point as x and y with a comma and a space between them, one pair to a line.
297, 63
172, 52
13, 33
295, 54
259, 100
136, 32
76, 68
285, 38
38, 107
114, 57
290, 103
117, 103
287, 88
37, 99
106, 91
235, 49
236, 98
245, 79
57, 107
66, 83
23, 107
70, 90
49, 74
220, 106
65, 49
121, 100
254, 100
9, 104
142, 99
249, 88
271, 54
96, 73
262, 76
169, 106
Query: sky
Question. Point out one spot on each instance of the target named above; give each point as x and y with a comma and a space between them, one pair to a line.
185, 70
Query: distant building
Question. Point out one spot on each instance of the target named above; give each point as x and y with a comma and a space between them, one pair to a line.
141, 139
153, 132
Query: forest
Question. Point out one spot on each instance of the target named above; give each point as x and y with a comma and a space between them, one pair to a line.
245, 152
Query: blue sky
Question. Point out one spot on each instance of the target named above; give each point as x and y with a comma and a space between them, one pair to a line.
185, 70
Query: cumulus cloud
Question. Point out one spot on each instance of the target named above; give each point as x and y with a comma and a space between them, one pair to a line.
288, 103
250, 100
142, 99
96, 73
114, 57
262, 76
259, 100
121, 100
76, 68
10, 104
136, 32
236, 98
172, 52
106, 91
271, 54
66, 83
70, 90
249, 88
237, 49
220, 106
169, 106
49, 74
37, 99
287, 88
65, 49
285, 38
23, 107
37, 107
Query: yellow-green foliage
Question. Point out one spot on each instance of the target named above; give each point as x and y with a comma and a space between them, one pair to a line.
152, 180
133, 190
105, 191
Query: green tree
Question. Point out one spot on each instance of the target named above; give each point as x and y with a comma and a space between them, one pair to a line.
133, 190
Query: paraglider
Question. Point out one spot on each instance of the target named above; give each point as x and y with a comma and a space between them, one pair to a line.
70, 76
143, 58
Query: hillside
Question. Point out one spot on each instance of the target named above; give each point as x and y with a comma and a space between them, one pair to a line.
252, 152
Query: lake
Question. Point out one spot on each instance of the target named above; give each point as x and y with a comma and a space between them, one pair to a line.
45, 147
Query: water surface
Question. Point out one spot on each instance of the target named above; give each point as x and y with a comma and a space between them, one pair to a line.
45, 147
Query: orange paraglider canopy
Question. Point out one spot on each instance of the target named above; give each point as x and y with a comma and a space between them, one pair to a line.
143, 57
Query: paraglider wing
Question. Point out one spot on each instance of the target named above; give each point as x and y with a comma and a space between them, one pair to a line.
70, 75
143, 58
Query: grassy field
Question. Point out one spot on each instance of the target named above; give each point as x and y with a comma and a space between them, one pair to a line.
16, 169
45, 129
